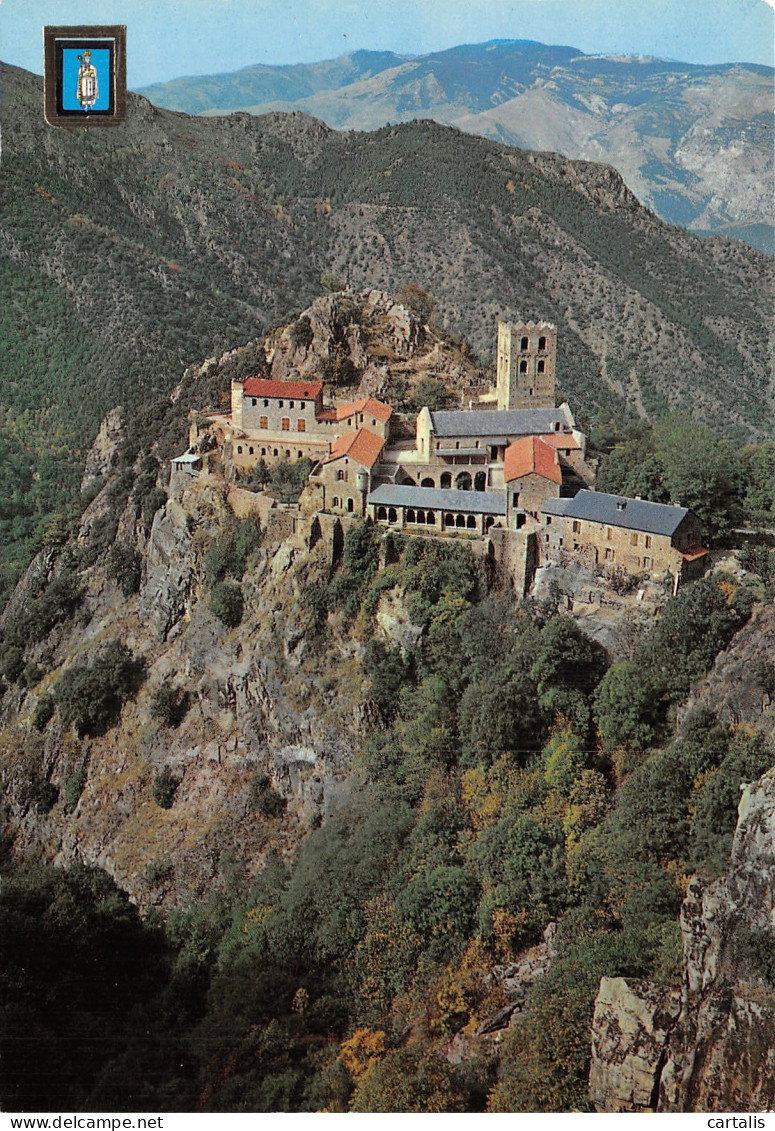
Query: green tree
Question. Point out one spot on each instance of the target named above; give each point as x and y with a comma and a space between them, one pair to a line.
413, 1079
226, 603
626, 706
91, 695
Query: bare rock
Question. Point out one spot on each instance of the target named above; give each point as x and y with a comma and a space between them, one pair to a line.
730, 688
631, 1025
707, 1046
721, 1053
102, 458
169, 572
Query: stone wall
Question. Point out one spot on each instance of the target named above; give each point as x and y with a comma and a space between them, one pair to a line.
514, 556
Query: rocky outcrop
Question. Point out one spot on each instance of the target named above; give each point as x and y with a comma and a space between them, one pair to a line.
103, 455
709, 1046
721, 1053
169, 571
631, 1025
731, 688
516, 979
362, 328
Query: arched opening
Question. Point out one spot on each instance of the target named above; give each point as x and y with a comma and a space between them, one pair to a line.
480, 481
523, 367
463, 481
449, 520
489, 521
239, 449
460, 521
263, 451
421, 518
250, 451
275, 451
541, 366
446, 479
523, 344
300, 455
430, 518
427, 482
350, 505
392, 516
410, 516
407, 481
542, 343
382, 514
335, 501
521, 520
287, 455
471, 522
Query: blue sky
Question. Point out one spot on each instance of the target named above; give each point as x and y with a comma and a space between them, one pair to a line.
168, 38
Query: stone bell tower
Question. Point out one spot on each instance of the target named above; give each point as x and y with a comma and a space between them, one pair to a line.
527, 357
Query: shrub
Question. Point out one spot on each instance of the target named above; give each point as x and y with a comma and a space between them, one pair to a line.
124, 565
73, 788
302, 334
264, 798
226, 603
90, 696
164, 788
44, 711
169, 704
228, 555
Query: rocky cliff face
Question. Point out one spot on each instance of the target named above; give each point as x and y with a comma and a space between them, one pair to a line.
708, 1046
265, 747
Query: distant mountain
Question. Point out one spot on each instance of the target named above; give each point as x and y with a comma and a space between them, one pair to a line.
694, 143
127, 253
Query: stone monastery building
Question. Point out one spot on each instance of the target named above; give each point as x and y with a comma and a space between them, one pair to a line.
520, 467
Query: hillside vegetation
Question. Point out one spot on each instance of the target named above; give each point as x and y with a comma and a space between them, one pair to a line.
692, 142
373, 808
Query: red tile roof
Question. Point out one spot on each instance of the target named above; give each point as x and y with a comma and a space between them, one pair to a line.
362, 446
369, 406
561, 440
300, 390
530, 455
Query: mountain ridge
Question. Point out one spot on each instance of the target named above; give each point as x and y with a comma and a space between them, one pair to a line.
692, 141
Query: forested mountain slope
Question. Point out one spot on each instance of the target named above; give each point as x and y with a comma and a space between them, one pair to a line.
694, 143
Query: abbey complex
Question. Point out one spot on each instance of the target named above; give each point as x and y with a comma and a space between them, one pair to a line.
511, 467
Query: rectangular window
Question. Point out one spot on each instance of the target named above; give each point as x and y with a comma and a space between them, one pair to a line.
286, 424
609, 555
253, 401
633, 539
263, 422
280, 404
515, 499
290, 404
648, 541
609, 533
302, 406
577, 528
301, 425
648, 563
